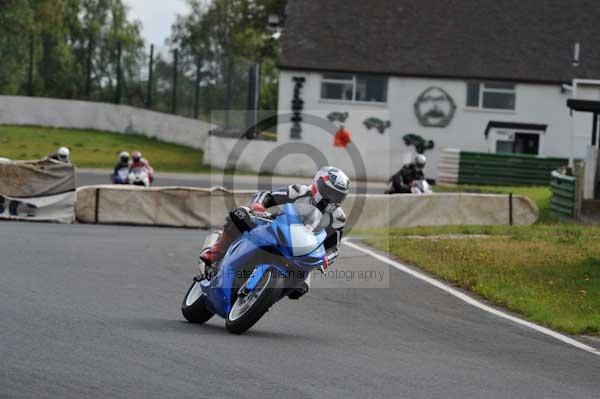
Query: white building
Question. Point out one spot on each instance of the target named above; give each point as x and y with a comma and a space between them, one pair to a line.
486, 76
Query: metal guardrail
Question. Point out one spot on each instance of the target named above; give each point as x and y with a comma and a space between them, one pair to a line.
506, 169
465, 167
564, 195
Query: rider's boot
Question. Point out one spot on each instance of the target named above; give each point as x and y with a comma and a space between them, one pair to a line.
298, 292
211, 255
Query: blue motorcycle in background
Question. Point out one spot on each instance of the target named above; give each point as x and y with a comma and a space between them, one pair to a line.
262, 266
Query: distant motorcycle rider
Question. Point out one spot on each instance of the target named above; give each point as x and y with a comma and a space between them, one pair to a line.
138, 162
122, 164
327, 192
401, 182
62, 155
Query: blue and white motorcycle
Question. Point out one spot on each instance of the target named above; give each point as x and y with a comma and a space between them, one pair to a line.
262, 266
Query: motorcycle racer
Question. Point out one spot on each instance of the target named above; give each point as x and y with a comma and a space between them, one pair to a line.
401, 182
327, 192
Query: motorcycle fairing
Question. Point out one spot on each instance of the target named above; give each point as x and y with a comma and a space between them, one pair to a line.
274, 239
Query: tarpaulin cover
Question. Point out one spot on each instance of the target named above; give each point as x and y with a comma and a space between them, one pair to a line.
204, 208
26, 179
163, 206
443, 209
54, 208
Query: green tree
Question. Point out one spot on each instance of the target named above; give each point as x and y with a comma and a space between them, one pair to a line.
228, 36
72, 39
16, 19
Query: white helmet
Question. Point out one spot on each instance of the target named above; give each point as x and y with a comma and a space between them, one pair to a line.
63, 154
124, 156
330, 187
420, 161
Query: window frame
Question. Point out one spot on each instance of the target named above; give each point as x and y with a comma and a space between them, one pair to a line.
481, 90
500, 133
353, 81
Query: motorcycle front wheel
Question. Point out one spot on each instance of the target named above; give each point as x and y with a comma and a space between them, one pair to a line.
194, 307
249, 308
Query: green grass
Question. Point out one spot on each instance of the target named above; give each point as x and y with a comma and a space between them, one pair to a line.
548, 273
94, 149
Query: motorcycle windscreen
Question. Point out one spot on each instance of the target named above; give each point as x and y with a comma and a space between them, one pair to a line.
297, 229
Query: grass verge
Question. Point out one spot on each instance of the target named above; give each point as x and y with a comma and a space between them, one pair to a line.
548, 273
95, 149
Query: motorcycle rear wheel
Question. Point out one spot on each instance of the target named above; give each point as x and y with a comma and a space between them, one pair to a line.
194, 307
247, 310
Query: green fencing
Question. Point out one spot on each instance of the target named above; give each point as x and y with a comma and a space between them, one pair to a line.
506, 169
564, 195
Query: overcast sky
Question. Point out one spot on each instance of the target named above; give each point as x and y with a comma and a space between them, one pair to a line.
156, 16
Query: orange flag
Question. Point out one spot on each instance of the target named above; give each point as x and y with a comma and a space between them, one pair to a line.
342, 138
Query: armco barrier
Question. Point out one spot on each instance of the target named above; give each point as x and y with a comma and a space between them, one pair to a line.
506, 169
564, 195
203, 208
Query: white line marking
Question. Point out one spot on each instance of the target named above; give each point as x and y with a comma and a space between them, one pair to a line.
471, 301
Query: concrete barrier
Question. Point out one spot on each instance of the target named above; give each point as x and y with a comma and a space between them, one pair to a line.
204, 208
38, 111
160, 206
443, 209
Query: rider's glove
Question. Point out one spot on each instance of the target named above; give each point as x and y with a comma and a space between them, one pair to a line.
259, 210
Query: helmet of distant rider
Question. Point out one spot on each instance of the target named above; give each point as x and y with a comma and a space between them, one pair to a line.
124, 156
420, 161
63, 154
329, 189
136, 156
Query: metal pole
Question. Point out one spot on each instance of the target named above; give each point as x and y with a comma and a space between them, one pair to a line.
572, 136
174, 98
88, 71
119, 73
510, 209
149, 87
253, 97
594, 129
228, 90
30, 71
197, 88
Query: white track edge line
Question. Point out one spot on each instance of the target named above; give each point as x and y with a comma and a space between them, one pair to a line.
471, 301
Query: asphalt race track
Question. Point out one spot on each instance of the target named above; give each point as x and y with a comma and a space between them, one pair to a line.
94, 312
88, 177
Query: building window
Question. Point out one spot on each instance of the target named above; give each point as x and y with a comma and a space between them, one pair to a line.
518, 143
491, 95
349, 87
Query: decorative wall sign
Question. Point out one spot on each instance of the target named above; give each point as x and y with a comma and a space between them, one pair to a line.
434, 108
375, 123
337, 117
419, 142
297, 107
